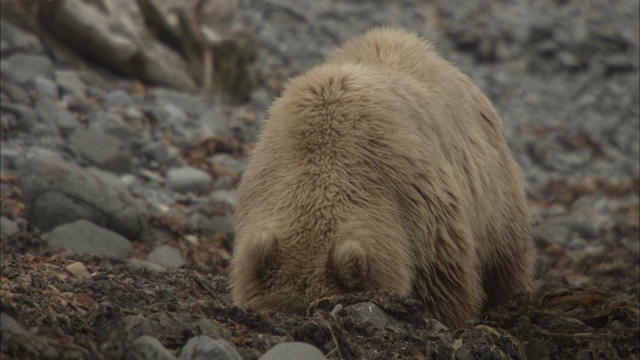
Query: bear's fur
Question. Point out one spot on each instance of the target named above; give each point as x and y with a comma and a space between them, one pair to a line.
383, 169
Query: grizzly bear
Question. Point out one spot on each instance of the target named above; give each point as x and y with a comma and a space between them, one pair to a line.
385, 168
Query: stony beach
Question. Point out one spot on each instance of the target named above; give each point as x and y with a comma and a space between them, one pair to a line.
117, 180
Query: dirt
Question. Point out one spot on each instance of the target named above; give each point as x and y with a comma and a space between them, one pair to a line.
98, 317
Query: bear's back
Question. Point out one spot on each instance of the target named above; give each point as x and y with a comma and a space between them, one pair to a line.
457, 112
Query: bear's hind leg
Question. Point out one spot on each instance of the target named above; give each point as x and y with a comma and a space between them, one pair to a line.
451, 292
507, 276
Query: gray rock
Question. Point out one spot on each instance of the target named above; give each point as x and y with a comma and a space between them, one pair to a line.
577, 244
46, 87
16, 93
167, 255
581, 226
570, 160
8, 122
40, 151
224, 182
434, 326
167, 115
154, 111
9, 324
8, 226
293, 350
85, 237
632, 245
192, 105
232, 163
156, 151
70, 83
118, 98
56, 192
27, 118
78, 270
5, 188
151, 176
157, 197
149, 348
207, 327
216, 122
17, 39
47, 134
368, 312
229, 196
24, 68
175, 115
223, 224
548, 233
205, 348
188, 179
151, 266
103, 150
112, 124
134, 113
50, 111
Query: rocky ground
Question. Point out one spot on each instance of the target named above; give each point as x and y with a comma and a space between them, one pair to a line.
117, 195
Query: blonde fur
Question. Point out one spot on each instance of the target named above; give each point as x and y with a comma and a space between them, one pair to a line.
383, 169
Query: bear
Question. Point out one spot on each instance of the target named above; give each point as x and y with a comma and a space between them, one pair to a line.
382, 169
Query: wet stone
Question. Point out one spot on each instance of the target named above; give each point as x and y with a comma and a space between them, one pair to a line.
580, 226
9, 324
293, 350
368, 312
27, 67
56, 192
167, 255
149, 348
16, 38
84, 237
214, 224
156, 151
70, 83
204, 348
231, 162
51, 112
27, 117
8, 226
151, 266
16, 93
118, 98
229, 196
188, 179
112, 123
78, 270
46, 87
103, 150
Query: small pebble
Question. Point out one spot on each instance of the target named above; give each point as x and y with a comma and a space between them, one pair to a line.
78, 270
206, 348
188, 179
293, 350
